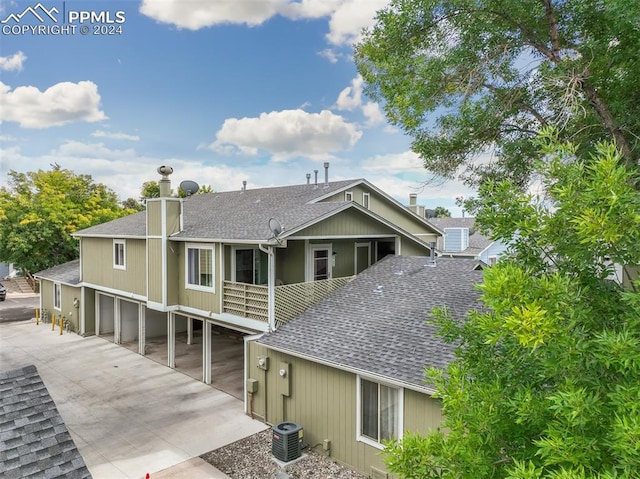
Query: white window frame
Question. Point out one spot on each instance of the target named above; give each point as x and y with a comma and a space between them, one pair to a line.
399, 412
491, 260
198, 287
310, 259
57, 296
366, 200
348, 195
116, 243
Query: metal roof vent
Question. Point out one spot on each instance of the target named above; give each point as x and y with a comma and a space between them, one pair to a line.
286, 444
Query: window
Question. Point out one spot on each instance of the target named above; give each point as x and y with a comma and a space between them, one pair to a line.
379, 412
348, 195
119, 254
492, 260
366, 200
250, 266
57, 296
320, 264
200, 267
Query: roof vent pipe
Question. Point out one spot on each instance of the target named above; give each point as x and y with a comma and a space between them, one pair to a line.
432, 256
164, 184
244, 185
308, 178
326, 174
315, 185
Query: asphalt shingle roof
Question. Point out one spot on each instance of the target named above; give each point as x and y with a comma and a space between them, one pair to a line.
378, 323
132, 225
34, 441
477, 241
68, 273
237, 214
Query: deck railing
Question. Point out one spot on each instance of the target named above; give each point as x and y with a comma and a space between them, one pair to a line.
251, 301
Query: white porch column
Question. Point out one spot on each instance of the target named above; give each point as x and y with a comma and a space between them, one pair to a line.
271, 281
81, 319
142, 328
171, 340
206, 352
117, 337
189, 330
97, 312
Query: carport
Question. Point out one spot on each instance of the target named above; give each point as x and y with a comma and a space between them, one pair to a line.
200, 348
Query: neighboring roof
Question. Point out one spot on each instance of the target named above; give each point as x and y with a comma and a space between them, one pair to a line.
244, 215
34, 441
68, 273
477, 242
377, 324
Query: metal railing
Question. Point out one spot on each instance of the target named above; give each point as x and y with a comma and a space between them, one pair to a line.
252, 301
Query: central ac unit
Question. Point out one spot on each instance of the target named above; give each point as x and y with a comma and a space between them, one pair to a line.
287, 441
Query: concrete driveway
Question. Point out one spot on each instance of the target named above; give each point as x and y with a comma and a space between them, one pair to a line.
128, 415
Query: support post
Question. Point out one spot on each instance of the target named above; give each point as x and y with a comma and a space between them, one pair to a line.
171, 340
207, 344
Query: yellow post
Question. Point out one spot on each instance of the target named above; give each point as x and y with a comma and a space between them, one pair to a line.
37, 316
53, 321
61, 320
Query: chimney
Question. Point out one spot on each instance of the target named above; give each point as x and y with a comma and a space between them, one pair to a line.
315, 185
308, 178
244, 185
413, 197
165, 183
326, 174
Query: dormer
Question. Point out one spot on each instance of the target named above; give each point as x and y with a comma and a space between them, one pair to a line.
455, 240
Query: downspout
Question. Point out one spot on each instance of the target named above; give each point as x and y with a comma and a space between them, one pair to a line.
271, 281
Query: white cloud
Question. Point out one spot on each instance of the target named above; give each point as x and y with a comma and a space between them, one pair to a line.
62, 103
350, 98
200, 14
114, 135
13, 62
347, 18
396, 162
330, 55
288, 133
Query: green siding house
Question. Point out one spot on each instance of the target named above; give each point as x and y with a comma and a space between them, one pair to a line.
350, 369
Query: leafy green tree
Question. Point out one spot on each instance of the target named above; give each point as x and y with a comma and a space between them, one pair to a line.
132, 204
151, 189
470, 78
39, 212
545, 384
442, 212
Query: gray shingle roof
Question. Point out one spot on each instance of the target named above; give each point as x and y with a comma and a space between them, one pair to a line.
34, 441
68, 273
132, 225
378, 323
237, 214
477, 241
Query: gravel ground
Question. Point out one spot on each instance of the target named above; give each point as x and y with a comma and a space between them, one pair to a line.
251, 458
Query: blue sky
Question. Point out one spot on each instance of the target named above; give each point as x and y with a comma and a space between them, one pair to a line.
224, 91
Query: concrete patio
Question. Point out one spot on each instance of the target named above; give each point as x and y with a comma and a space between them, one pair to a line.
128, 415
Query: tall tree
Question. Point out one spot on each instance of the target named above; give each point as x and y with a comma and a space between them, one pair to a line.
40, 210
545, 384
471, 78
442, 212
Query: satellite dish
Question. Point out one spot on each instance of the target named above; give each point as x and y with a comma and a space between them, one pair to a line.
275, 227
189, 187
